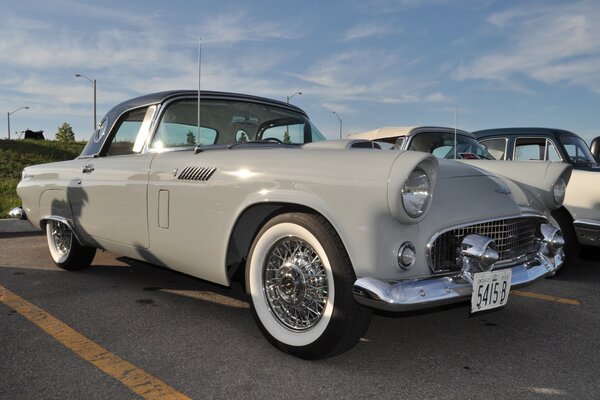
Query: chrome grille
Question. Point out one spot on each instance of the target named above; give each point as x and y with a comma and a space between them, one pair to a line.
514, 237
196, 173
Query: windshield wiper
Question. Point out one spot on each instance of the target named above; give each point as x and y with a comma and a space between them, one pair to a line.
266, 143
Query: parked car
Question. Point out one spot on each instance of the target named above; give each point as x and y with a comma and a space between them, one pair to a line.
436, 140
321, 232
579, 217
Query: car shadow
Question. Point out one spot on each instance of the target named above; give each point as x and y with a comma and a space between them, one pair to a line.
585, 269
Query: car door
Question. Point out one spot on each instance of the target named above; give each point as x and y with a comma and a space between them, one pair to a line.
109, 200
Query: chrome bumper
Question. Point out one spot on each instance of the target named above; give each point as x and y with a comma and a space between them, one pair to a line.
17, 213
418, 294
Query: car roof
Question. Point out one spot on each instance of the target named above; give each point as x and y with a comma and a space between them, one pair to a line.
159, 97
522, 131
395, 131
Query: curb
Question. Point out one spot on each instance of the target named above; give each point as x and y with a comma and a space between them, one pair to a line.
16, 226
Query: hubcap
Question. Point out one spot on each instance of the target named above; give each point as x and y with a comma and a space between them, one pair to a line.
295, 283
62, 237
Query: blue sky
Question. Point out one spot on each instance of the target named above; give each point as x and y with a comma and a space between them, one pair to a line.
375, 62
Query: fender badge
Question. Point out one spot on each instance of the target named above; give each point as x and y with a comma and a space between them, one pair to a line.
502, 190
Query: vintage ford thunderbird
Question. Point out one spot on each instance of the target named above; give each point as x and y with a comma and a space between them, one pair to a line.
321, 232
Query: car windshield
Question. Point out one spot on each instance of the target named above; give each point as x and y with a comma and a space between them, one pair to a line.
441, 145
227, 122
577, 151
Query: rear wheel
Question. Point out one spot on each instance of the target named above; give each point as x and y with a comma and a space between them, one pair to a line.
563, 220
300, 282
66, 252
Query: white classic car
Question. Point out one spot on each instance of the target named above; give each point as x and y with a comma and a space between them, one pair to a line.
579, 217
320, 231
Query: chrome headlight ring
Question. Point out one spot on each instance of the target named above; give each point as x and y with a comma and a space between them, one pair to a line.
416, 193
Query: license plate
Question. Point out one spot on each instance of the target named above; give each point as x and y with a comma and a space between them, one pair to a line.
490, 290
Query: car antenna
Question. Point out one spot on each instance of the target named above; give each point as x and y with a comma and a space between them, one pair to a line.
199, 148
455, 111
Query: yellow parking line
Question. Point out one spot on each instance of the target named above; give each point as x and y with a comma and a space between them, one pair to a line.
128, 374
546, 297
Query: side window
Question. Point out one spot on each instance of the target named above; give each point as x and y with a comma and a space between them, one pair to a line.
130, 132
537, 149
496, 147
179, 127
530, 149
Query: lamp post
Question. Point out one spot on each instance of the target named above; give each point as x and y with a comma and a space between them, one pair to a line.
8, 114
93, 82
289, 97
340, 119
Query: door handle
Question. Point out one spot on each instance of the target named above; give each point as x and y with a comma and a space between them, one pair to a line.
88, 168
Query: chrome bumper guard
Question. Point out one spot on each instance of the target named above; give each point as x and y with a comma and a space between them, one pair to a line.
416, 294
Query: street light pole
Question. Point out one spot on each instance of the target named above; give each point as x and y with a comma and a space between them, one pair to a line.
289, 97
340, 119
8, 114
93, 82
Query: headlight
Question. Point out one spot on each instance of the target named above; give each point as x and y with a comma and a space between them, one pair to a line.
558, 190
416, 193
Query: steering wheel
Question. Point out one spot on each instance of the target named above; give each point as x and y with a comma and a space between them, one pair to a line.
272, 139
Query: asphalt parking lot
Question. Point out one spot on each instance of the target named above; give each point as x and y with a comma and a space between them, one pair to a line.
124, 329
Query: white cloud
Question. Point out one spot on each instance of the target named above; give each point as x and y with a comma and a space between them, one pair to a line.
393, 6
239, 27
366, 75
366, 30
551, 44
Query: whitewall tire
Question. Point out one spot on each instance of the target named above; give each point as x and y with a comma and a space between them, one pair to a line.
65, 250
300, 281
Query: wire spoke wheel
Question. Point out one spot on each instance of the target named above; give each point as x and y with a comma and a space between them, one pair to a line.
295, 284
64, 248
62, 238
300, 278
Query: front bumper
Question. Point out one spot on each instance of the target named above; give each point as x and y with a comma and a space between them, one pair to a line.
419, 294
17, 213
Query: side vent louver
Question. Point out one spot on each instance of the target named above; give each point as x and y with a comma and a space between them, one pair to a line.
197, 173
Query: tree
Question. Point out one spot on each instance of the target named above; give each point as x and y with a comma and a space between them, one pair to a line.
65, 133
191, 138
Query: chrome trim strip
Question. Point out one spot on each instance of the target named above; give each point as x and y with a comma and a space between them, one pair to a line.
417, 294
586, 223
64, 221
484, 221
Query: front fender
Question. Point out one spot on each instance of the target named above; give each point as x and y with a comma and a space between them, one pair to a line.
535, 180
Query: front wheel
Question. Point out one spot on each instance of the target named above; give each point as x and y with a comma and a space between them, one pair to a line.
300, 280
66, 252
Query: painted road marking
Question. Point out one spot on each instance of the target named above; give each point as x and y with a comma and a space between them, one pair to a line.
128, 374
545, 297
